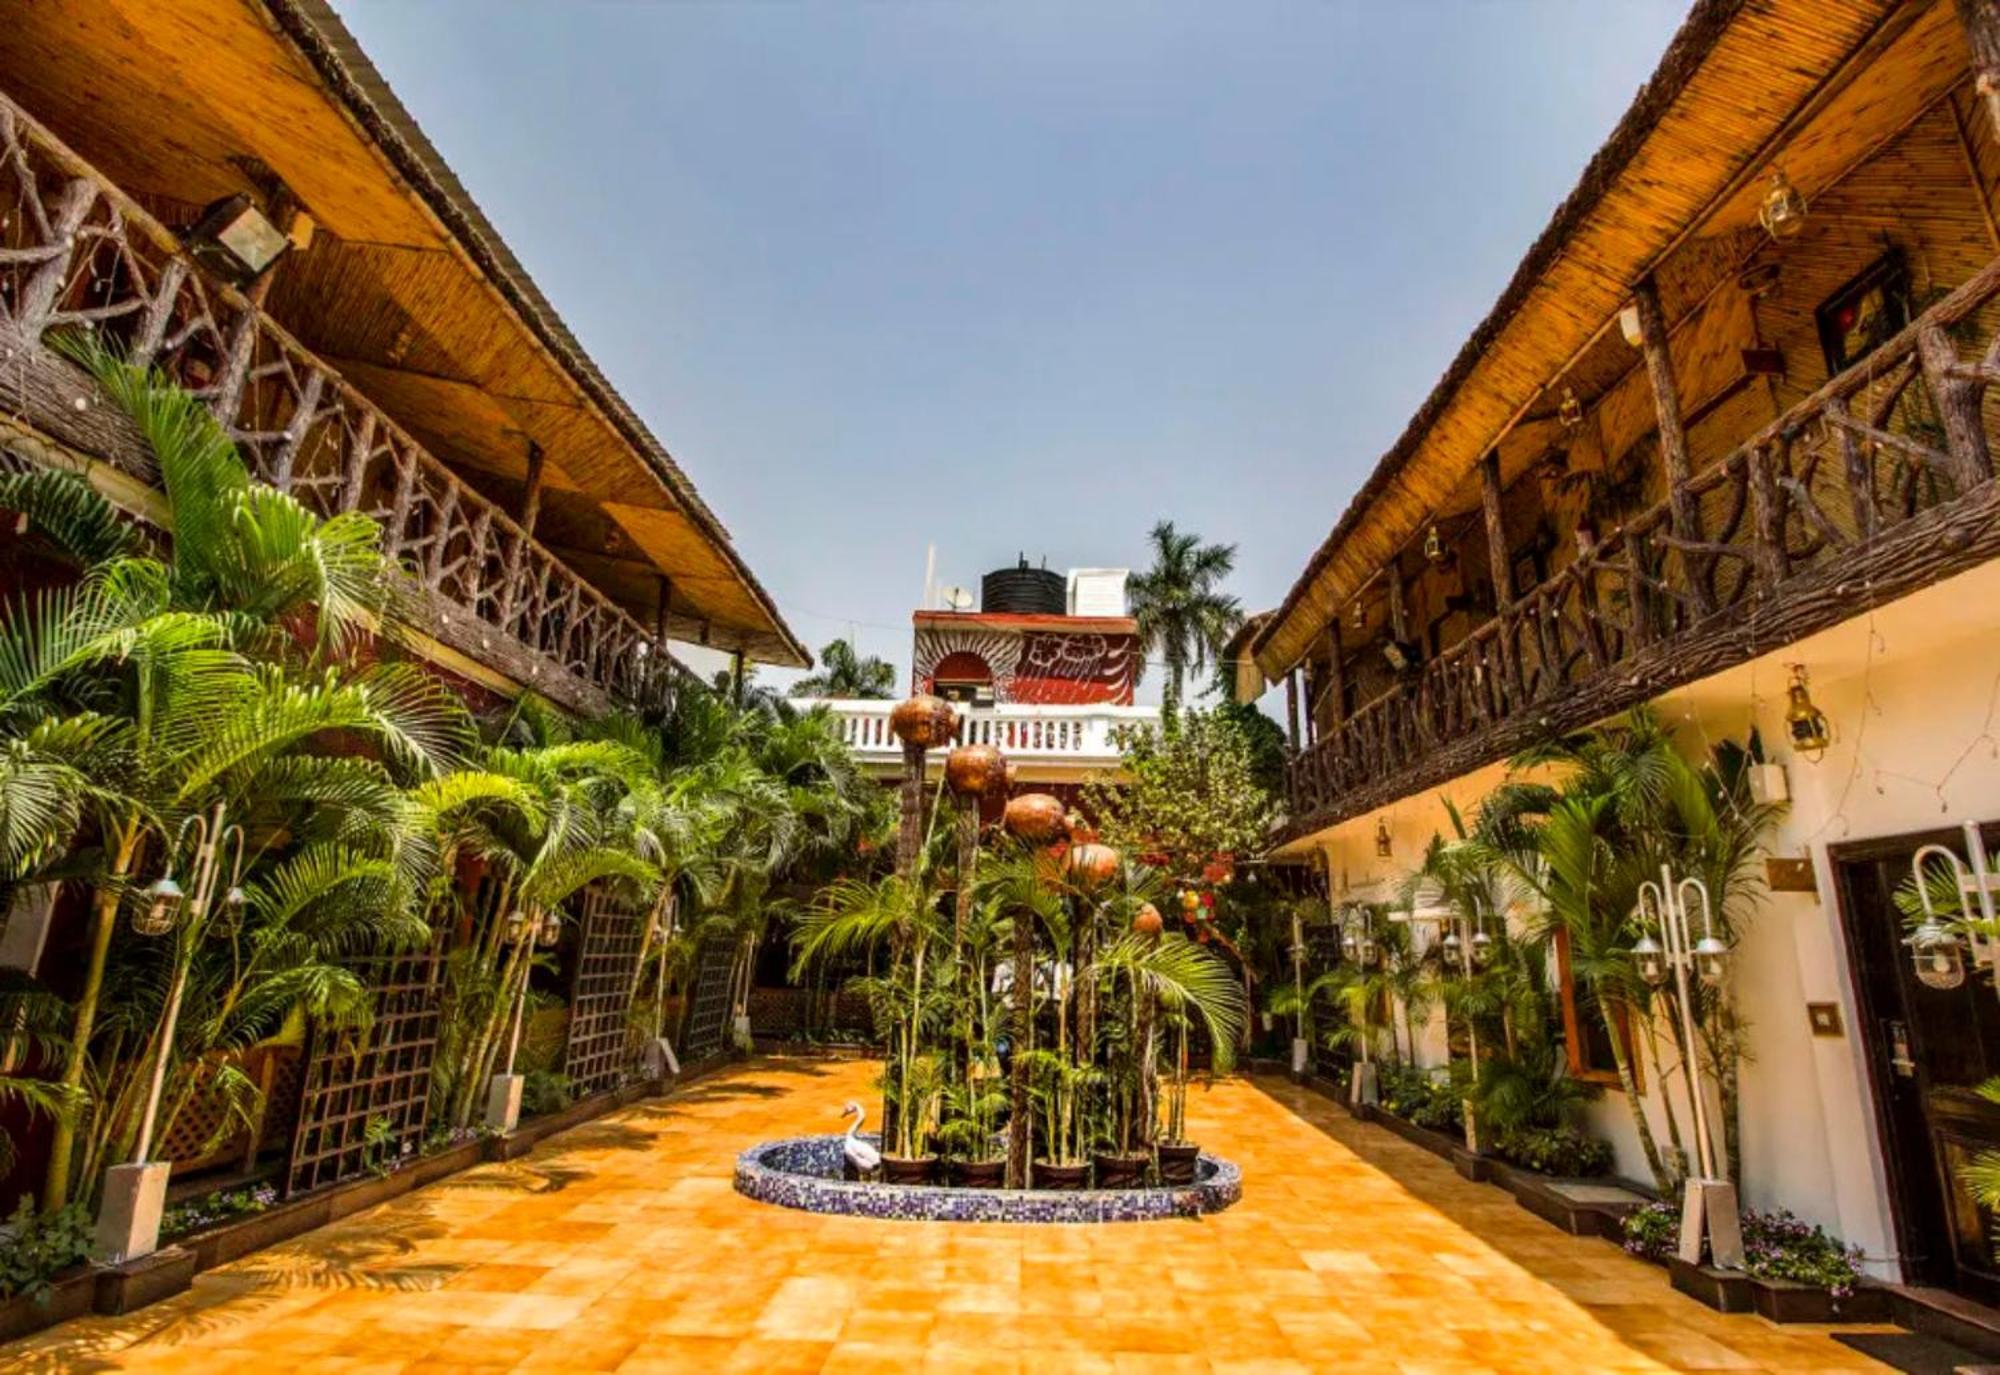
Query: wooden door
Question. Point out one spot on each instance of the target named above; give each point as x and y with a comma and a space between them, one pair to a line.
1928, 1050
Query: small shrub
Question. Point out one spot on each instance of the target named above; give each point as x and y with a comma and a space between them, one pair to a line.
1653, 1231
219, 1206
1423, 1100
1561, 1151
1778, 1246
545, 1091
35, 1248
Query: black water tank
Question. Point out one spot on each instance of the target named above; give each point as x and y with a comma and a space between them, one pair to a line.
1024, 591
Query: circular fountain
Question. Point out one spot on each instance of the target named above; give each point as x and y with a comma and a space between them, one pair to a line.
806, 1172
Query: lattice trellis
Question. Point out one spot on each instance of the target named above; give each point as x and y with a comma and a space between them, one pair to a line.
598, 1054
708, 1012
379, 1074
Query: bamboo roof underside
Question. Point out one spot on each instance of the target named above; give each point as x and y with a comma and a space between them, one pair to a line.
1811, 85
406, 289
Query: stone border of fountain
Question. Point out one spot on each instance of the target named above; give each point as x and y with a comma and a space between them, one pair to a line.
804, 1172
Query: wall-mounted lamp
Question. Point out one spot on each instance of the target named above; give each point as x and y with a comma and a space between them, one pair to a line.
1383, 847
1569, 410
1434, 546
236, 240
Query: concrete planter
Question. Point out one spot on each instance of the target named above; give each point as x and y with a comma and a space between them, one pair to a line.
1786, 1301
1726, 1291
135, 1283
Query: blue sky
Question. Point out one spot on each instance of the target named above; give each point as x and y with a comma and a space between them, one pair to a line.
1018, 277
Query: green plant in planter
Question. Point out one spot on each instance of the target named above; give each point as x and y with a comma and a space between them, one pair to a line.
545, 1091
1563, 1152
1778, 1246
972, 1109
1059, 1090
378, 1138
1653, 1230
35, 1248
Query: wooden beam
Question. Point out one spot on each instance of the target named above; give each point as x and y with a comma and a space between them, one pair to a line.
1499, 565
531, 495
1292, 708
1981, 21
1673, 438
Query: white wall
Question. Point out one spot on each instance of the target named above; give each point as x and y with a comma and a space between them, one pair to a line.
1913, 692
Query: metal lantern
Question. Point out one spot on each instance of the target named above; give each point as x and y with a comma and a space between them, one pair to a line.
1433, 545
1370, 951
551, 931
1482, 949
1651, 958
1783, 210
1382, 845
1357, 615
1451, 945
1805, 723
164, 899
1570, 410
1711, 960
517, 926
228, 918
1350, 945
1937, 954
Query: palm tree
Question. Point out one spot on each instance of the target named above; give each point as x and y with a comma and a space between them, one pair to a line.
1184, 619
844, 672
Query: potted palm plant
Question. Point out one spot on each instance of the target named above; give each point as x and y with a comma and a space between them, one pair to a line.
1178, 1156
1060, 1089
968, 1135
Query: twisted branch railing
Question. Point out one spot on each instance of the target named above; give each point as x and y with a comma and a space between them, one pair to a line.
1877, 484
75, 253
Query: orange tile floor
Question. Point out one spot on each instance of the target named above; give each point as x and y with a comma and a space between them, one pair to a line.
621, 1246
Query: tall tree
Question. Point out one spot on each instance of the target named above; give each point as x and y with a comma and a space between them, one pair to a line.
1184, 616
845, 672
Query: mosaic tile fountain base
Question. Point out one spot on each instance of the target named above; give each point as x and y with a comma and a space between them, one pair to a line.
805, 1172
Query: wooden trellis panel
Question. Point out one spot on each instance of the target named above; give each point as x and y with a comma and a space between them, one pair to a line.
708, 1011
598, 1053
382, 1072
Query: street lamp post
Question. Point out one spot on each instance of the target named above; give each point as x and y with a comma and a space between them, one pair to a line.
1357, 943
1708, 1205
128, 1221
1472, 951
503, 1091
1301, 1047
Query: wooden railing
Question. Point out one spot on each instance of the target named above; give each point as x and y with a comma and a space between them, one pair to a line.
1876, 485
77, 254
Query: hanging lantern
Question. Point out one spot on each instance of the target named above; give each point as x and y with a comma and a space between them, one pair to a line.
1783, 211
1805, 723
1382, 845
1711, 960
1350, 945
1357, 615
1570, 410
228, 917
1451, 945
1146, 921
551, 931
1937, 955
517, 926
974, 770
1651, 959
1369, 950
1482, 950
1433, 545
164, 899
924, 722
1035, 817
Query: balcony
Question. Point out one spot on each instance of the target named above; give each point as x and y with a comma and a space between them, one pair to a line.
1048, 744
78, 254
1878, 484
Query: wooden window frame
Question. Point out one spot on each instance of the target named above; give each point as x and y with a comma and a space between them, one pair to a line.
1573, 1044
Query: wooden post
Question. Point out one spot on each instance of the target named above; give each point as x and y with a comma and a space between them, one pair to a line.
736, 676
910, 833
43, 291
1292, 707
1772, 563
1673, 439
1499, 567
1958, 407
1336, 678
1981, 21
531, 511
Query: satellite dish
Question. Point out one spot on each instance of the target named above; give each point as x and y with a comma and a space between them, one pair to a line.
956, 599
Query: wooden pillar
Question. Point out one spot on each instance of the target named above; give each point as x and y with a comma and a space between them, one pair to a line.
531, 494
736, 676
1958, 401
1292, 707
1399, 612
1673, 439
1981, 21
663, 607
1500, 568
530, 513
1336, 676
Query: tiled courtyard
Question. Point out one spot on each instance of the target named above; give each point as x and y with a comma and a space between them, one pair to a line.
621, 1246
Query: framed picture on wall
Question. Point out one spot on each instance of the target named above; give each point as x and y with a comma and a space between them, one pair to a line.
1865, 312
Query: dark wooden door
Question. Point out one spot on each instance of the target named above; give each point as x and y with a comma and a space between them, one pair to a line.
1928, 1050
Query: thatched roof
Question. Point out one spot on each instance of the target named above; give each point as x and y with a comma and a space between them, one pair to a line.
1742, 80
411, 293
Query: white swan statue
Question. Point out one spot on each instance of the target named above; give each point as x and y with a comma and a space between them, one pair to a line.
865, 1159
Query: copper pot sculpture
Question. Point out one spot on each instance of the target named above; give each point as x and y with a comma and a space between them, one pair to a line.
1036, 818
1092, 865
1147, 920
974, 770
924, 722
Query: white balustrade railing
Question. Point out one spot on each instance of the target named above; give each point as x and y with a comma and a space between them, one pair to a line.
1079, 735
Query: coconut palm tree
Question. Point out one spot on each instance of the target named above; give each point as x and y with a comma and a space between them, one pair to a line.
845, 672
1184, 618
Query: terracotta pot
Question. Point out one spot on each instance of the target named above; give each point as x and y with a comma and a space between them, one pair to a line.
1092, 866
1177, 1161
1116, 1171
1067, 1178
924, 721
1035, 817
977, 1174
900, 1169
1147, 920
974, 770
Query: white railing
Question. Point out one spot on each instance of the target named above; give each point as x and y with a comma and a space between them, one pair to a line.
1080, 736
